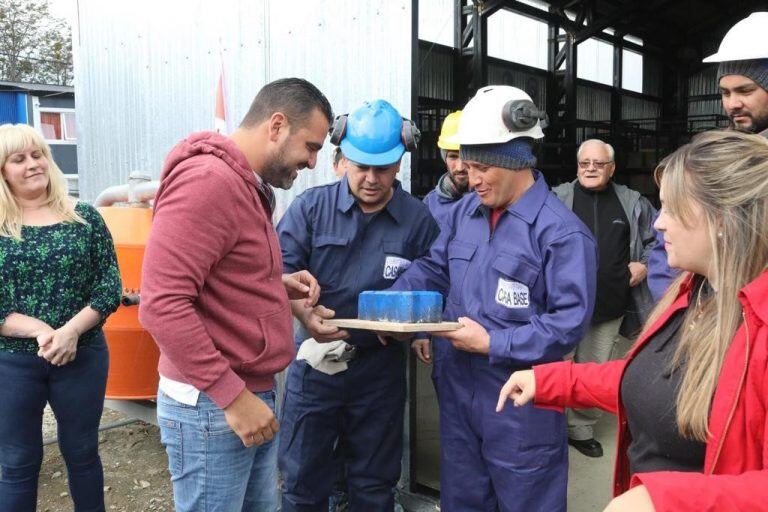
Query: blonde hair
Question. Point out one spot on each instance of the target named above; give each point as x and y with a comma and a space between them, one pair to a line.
725, 173
15, 138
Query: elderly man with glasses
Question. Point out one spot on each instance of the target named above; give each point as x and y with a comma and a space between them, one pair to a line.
620, 219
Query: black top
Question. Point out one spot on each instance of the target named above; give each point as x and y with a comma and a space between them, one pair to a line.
601, 211
648, 393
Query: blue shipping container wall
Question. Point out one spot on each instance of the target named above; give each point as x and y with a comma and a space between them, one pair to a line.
13, 107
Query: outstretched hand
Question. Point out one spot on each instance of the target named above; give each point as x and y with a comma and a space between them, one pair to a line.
520, 388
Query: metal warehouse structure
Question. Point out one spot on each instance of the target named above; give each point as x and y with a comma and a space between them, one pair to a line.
679, 95
145, 75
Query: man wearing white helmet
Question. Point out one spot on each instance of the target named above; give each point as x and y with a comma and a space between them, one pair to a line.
518, 270
743, 73
743, 79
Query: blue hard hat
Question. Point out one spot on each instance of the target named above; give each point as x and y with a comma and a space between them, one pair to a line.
373, 134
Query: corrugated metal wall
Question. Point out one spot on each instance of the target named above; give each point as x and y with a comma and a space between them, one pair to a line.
436, 74
535, 84
653, 71
8, 108
593, 104
639, 108
145, 81
701, 84
13, 107
704, 82
435, 70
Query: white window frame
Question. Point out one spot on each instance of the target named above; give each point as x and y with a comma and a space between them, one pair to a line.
37, 110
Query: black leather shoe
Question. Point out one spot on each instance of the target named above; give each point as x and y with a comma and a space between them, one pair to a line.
589, 447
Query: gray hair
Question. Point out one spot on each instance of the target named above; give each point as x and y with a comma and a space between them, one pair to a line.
608, 148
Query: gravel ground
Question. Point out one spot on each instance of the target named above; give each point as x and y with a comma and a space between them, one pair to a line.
135, 469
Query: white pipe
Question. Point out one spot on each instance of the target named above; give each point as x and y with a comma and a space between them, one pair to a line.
110, 195
144, 193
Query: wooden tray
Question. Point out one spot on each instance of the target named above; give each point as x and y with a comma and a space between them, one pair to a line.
371, 325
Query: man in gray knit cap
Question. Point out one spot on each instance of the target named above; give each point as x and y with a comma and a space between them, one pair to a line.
517, 269
743, 73
743, 79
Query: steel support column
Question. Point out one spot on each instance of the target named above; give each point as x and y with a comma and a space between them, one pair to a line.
471, 41
616, 96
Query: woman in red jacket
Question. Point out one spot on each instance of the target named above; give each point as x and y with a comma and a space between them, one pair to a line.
692, 395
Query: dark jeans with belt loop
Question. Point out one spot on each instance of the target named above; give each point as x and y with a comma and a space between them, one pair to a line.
76, 394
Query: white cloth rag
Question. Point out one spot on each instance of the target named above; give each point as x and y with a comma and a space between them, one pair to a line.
329, 358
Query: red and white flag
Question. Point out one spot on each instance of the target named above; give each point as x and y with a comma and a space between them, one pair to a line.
220, 109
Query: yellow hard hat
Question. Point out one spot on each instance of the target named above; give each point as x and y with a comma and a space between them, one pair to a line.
449, 134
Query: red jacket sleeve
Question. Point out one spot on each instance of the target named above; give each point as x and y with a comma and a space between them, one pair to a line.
193, 227
579, 386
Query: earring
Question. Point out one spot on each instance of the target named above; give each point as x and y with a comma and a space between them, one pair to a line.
720, 234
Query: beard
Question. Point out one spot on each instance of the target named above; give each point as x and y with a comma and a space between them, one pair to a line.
461, 187
758, 124
277, 172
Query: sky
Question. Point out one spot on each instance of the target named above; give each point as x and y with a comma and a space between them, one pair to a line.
63, 9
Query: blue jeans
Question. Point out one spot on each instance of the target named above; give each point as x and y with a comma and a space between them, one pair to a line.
76, 394
211, 469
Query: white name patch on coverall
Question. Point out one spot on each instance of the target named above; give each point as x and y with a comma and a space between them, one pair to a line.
394, 266
512, 294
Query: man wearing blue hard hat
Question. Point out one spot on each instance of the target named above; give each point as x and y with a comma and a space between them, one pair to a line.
346, 389
518, 271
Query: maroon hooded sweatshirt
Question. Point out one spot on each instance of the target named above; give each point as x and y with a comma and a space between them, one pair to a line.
211, 292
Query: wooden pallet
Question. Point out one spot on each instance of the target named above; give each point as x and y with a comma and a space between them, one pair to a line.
371, 325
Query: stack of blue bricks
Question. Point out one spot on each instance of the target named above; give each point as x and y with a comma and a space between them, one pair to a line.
407, 307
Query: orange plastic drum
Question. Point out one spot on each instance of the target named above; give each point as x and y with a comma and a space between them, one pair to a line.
133, 354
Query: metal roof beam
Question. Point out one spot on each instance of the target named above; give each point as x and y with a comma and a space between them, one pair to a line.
563, 21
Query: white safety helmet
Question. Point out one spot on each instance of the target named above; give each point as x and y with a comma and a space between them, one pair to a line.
498, 114
745, 41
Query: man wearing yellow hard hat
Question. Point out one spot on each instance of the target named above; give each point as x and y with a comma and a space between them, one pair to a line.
455, 182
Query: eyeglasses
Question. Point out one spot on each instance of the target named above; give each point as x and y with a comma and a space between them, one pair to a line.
584, 164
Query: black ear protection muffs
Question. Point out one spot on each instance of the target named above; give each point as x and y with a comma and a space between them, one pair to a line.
338, 128
410, 134
521, 115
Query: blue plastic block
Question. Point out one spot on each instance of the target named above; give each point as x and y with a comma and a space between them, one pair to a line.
409, 307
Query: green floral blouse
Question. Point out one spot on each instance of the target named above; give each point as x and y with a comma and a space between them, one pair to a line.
57, 270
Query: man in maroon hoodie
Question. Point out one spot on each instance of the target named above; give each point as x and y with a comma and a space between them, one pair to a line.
216, 302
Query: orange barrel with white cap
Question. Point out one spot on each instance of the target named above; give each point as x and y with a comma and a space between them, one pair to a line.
133, 354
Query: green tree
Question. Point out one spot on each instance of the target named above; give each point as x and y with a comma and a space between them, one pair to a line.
34, 45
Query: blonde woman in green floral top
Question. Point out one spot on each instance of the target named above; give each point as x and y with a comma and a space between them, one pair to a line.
58, 283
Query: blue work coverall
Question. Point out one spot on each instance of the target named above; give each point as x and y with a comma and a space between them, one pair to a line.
438, 205
361, 409
531, 284
660, 274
